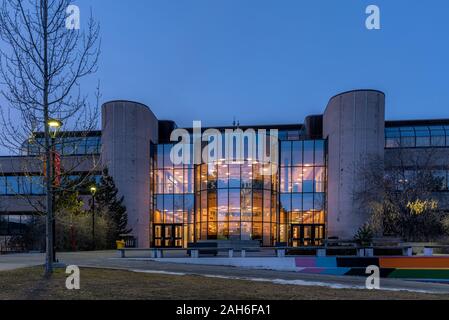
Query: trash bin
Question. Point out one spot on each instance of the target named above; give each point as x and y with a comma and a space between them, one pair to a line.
120, 244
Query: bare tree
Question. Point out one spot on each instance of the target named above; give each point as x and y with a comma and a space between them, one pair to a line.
402, 195
41, 68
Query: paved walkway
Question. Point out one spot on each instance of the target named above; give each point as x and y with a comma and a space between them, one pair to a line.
109, 259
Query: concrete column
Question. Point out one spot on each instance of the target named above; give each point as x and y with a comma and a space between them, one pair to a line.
354, 124
127, 130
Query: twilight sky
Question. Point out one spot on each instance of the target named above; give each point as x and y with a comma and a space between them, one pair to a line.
266, 61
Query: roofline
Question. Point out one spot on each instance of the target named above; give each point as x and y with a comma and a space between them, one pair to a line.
415, 122
356, 90
269, 126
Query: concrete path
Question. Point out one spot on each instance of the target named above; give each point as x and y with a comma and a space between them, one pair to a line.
17, 261
109, 259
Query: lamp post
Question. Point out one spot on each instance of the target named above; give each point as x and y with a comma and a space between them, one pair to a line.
54, 126
93, 191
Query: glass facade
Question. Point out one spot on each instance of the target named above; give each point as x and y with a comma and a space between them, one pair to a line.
18, 231
234, 201
172, 223
417, 137
218, 200
21, 185
303, 192
66, 146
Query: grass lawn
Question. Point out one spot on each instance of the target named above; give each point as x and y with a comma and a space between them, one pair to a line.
113, 284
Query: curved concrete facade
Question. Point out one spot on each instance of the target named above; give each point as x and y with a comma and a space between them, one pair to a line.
354, 124
128, 130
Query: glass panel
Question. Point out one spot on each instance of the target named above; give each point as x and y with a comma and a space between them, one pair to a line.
234, 205
297, 153
319, 203
12, 185
37, 185
307, 202
246, 230
257, 205
160, 156
167, 160
286, 153
408, 141
234, 230
189, 207
160, 181
438, 138
3, 185
178, 181
222, 205
308, 180
178, 209
168, 181
297, 177
285, 179
267, 206
320, 179
308, 153
223, 176
168, 209
319, 153
234, 176
188, 180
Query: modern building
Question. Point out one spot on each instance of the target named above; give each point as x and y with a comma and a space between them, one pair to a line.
310, 196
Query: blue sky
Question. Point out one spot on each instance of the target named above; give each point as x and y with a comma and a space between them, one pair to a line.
266, 61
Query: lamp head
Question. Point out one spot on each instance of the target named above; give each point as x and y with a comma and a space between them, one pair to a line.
93, 190
54, 125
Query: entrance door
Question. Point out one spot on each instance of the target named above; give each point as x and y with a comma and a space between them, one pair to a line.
307, 235
168, 235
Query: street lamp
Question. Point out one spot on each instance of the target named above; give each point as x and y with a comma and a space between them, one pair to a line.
93, 191
54, 126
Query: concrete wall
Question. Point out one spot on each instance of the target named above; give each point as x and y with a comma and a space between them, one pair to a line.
354, 123
128, 128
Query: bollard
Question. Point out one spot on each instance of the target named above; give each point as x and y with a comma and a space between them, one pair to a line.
360, 252
243, 253
369, 252
321, 252
231, 253
408, 251
281, 253
428, 252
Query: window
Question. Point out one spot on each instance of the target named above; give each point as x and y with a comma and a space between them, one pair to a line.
417, 137
286, 154
297, 153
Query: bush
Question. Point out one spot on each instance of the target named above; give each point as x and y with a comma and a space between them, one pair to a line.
364, 235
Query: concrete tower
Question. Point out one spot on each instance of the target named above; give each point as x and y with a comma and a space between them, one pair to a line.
354, 123
128, 130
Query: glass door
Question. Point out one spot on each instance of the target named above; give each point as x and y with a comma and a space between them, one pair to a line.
168, 235
307, 235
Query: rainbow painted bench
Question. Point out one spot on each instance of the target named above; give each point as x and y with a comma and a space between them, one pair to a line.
416, 267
